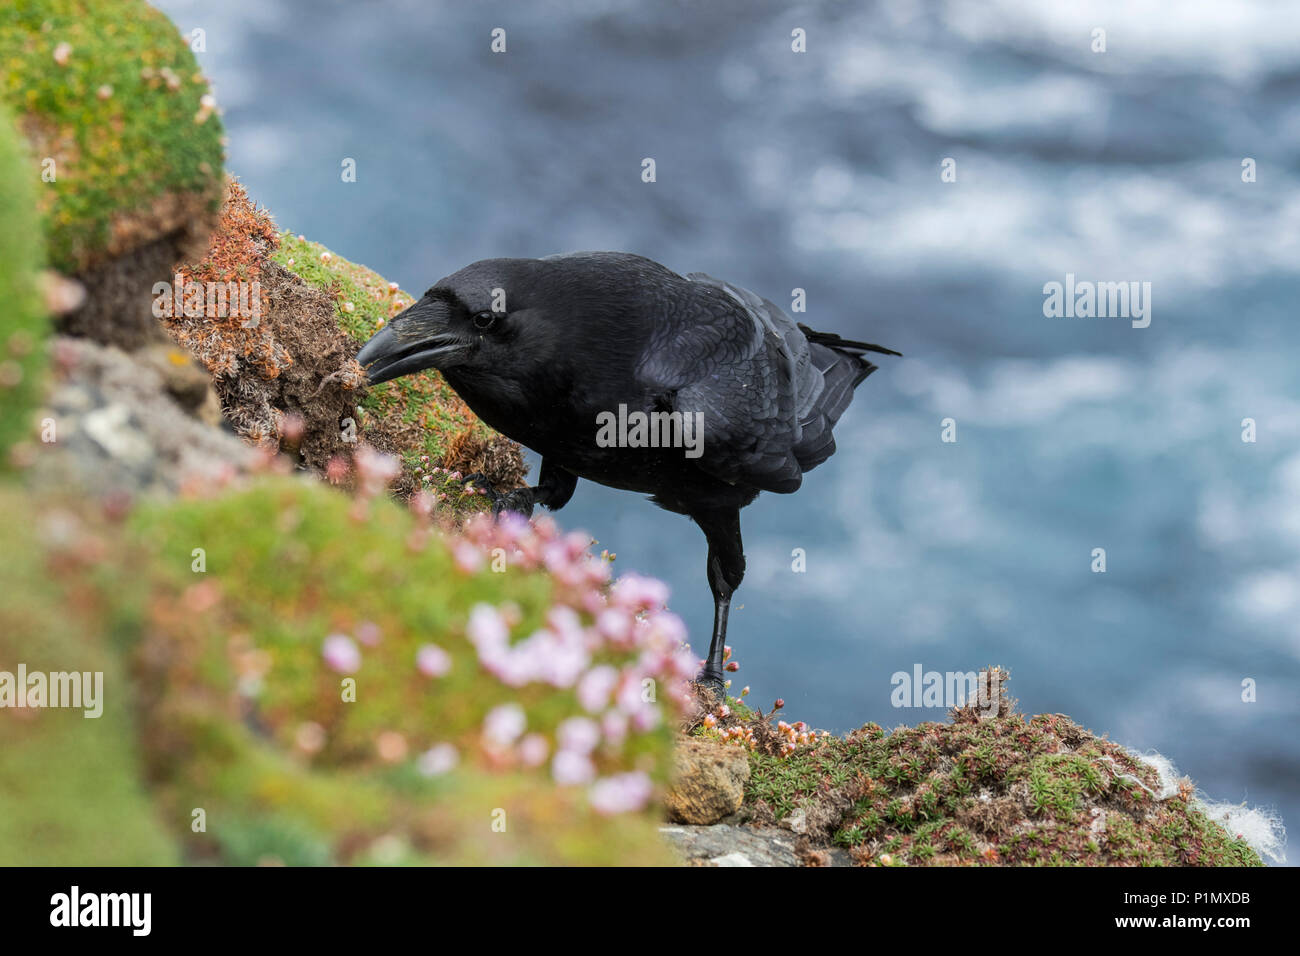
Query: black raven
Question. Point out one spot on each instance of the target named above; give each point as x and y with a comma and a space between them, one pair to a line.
608, 364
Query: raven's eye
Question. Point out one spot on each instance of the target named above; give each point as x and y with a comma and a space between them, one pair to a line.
484, 320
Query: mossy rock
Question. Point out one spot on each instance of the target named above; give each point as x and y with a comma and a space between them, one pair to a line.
1002, 790
125, 143
23, 324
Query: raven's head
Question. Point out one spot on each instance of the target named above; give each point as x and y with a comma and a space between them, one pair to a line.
469, 320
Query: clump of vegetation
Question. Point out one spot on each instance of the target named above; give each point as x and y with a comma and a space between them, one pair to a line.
418, 417
110, 93
993, 788
317, 679
125, 149
22, 319
225, 329
288, 377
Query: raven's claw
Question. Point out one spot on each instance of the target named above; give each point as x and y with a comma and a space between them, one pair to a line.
521, 500
714, 683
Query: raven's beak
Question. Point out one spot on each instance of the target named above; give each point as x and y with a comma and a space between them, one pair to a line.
412, 341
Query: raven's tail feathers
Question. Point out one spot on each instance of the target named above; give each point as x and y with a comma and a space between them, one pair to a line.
844, 349
833, 341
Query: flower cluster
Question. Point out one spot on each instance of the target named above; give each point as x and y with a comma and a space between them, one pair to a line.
613, 646
790, 736
798, 734
443, 484
627, 620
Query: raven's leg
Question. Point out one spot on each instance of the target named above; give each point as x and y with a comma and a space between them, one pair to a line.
726, 569
553, 490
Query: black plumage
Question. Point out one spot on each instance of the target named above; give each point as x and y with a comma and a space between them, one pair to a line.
544, 349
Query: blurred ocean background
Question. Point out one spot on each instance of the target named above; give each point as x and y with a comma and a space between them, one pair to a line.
821, 171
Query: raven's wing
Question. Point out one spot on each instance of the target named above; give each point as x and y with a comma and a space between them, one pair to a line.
744, 364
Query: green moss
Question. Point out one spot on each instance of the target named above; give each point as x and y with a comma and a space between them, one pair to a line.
119, 117
363, 299
232, 662
1006, 790
363, 302
254, 750
23, 323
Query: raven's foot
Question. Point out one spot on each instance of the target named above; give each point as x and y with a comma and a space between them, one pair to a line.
710, 688
521, 500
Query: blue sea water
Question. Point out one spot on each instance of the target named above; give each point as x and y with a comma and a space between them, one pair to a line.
821, 171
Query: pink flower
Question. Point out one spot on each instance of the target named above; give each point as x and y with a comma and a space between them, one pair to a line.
639, 593
432, 661
292, 428
569, 768
512, 526
467, 557
503, 725
341, 654
595, 687
438, 759
421, 503
375, 469
368, 633
578, 734
631, 693
614, 726
487, 629
621, 793
565, 662
533, 750
564, 621
647, 718
615, 625
684, 664
336, 469
667, 629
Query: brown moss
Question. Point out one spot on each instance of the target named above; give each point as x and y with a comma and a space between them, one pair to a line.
495, 456
290, 379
